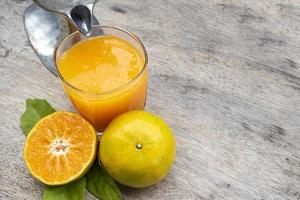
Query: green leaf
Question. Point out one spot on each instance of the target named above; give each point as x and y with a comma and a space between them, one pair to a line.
100, 184
36, 109
70, 191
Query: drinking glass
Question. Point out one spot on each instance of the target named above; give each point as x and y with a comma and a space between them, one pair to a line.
101, 108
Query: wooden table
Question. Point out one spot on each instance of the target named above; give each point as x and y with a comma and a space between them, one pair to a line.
224, 74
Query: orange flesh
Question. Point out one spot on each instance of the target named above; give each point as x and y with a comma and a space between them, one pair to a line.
101, 64
60, 148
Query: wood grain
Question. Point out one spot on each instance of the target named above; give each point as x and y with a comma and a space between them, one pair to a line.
224, 74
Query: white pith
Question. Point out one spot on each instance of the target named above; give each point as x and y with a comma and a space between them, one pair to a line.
59, 146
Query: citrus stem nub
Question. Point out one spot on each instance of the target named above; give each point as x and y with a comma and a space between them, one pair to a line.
139, 146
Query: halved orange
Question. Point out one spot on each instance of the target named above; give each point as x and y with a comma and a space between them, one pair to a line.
60, 148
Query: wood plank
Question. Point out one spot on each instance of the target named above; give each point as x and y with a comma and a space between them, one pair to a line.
224, 74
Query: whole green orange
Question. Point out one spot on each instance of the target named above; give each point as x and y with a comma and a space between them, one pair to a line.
137, 149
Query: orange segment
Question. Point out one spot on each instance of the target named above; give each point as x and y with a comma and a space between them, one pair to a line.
60, 148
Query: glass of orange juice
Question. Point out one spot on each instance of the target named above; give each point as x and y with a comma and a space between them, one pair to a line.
104, 75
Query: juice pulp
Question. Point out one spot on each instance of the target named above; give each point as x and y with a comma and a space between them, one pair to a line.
105, 77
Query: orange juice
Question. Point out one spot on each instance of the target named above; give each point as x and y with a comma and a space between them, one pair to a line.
104, 77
